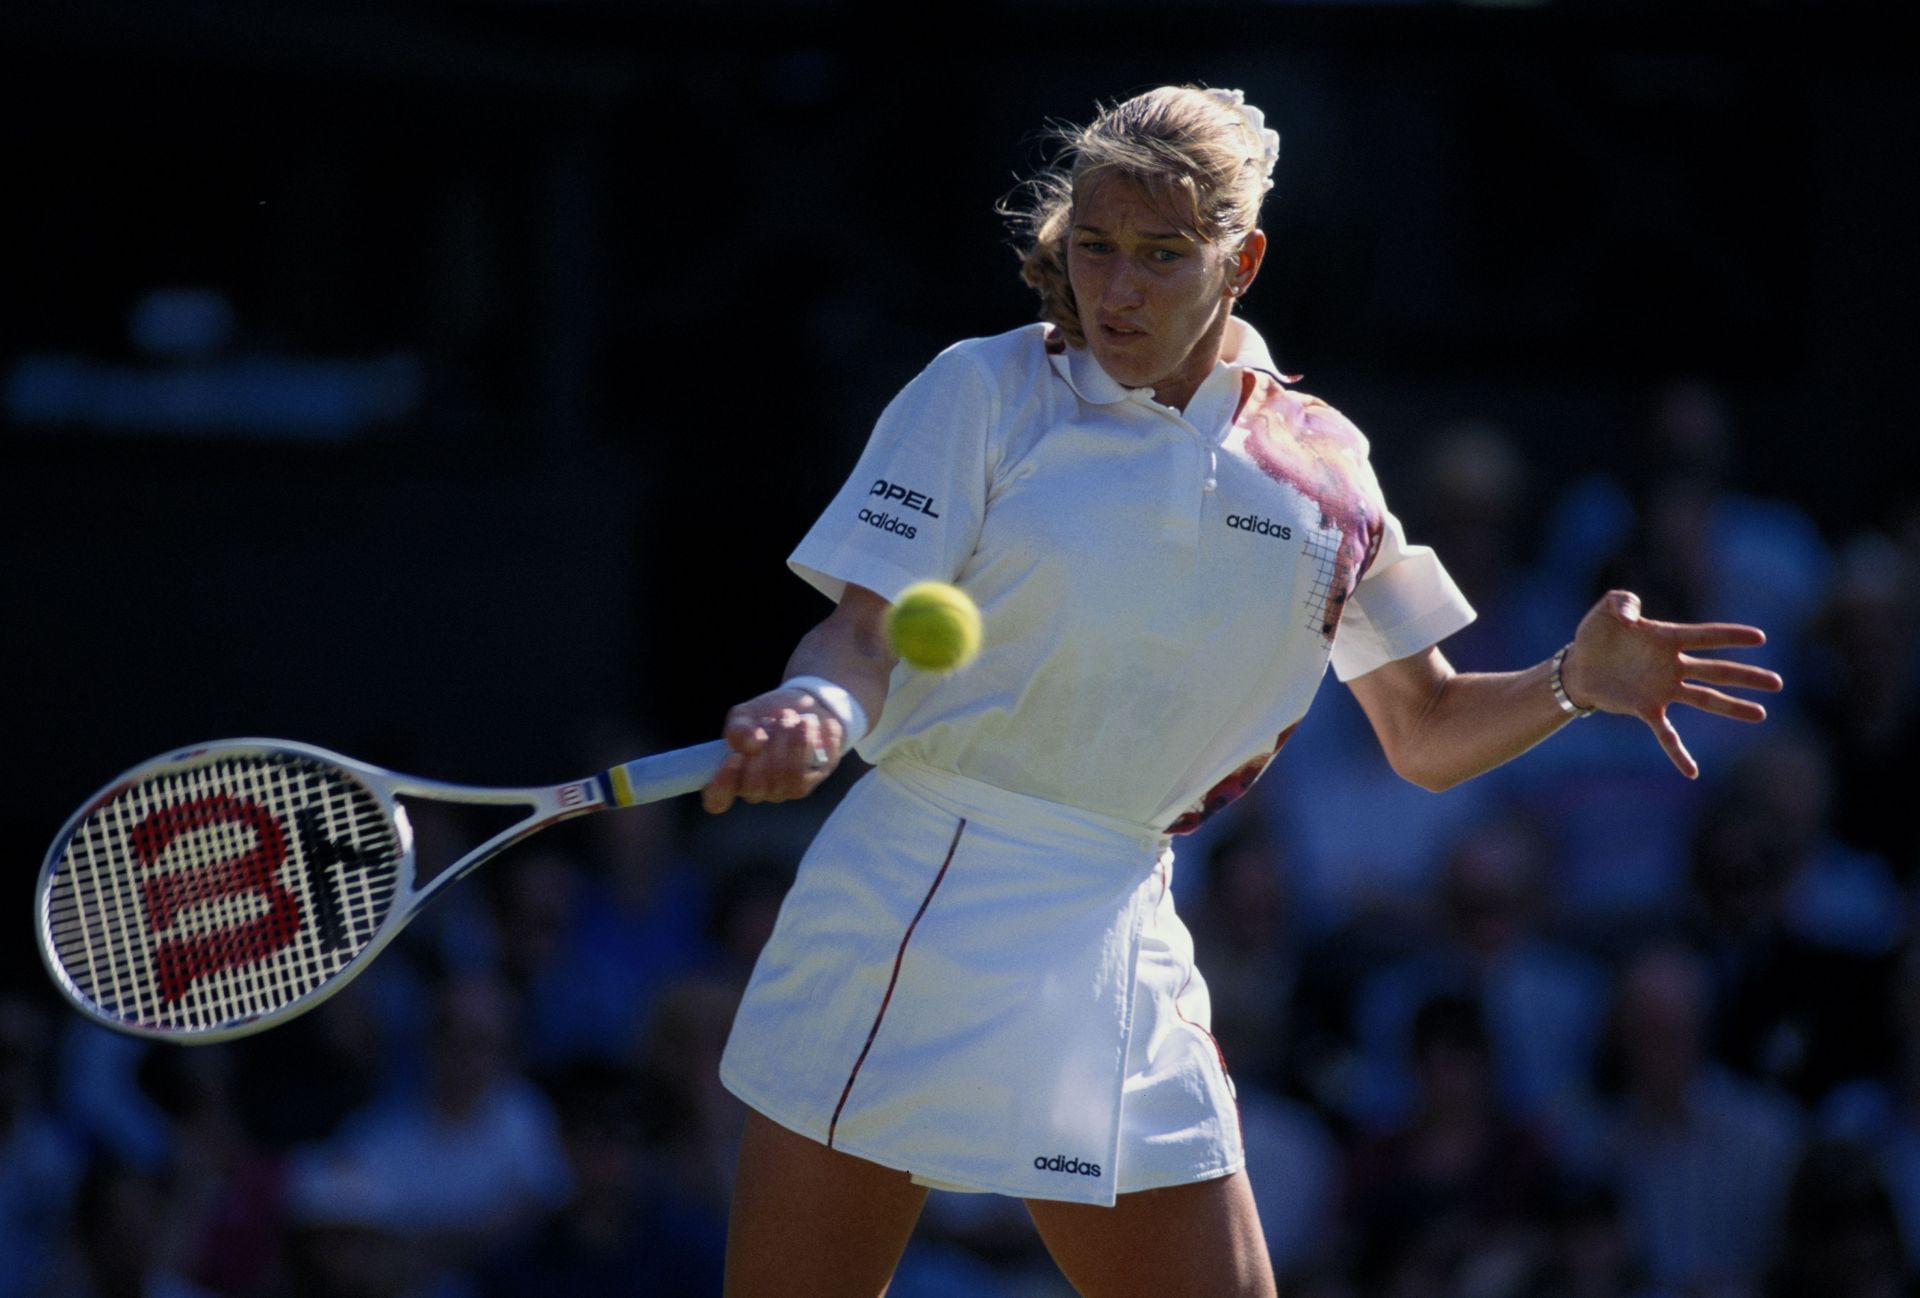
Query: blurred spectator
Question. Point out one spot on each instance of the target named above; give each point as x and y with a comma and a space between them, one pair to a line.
228, 1191
1254, 960
1456, 1189
697, 1139
1785, 1009
623, 1233
1837, 896
968, 1244
1883, 1112
125, 1240
1543, 1003
590, 939
341, 1241
1674, 528
296, 1084
98, 1085
469, 1162
746, 902
1677, 529
1295, 1166
574, 1008
1244, 926
1701, 1158
1863, 686
1619, 817
39, 1165
1470, 502
1364, 847
1841, 1240
1587, 1254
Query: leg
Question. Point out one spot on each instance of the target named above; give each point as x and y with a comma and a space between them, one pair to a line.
1201, 1240
812, 1222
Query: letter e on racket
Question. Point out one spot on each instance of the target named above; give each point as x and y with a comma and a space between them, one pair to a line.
221, 889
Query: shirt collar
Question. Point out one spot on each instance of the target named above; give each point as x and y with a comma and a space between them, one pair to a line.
1095, 386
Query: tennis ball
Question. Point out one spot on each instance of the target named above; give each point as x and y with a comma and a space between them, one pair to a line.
934, 627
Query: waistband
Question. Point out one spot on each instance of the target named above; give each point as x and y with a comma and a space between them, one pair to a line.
1035, 816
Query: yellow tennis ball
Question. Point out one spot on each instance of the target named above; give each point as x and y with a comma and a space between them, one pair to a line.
934, 627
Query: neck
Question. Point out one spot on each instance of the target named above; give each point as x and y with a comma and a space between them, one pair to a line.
1209, 351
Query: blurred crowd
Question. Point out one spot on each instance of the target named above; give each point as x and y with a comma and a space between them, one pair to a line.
1579, 1028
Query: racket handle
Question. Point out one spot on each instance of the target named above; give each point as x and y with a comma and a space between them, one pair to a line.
665, 775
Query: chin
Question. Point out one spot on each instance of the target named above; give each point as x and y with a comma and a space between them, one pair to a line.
1124, 370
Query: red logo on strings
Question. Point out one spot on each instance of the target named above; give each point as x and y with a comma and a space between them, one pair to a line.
179, 961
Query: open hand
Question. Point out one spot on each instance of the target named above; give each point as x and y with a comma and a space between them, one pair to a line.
1623, 662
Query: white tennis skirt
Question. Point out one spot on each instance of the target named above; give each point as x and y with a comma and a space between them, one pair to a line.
991, 992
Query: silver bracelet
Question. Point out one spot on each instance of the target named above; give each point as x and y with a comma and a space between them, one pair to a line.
1560, 695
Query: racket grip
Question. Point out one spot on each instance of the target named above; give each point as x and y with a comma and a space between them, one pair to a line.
665, 775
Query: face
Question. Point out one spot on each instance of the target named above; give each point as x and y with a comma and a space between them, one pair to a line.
1153, 301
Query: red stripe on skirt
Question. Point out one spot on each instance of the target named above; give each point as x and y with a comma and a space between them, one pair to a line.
898, 956
1220, 1054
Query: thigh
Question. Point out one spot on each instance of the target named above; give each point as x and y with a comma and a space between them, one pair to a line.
812, 1222
1201, 1239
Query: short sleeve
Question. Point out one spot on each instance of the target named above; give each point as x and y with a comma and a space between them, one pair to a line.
1405, 603
912, 509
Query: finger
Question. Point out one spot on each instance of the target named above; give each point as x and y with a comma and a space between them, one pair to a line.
789, 758
1670, 741
743, 732
724, 787
816, 753
756, 778
822, 747
1717, 635
1725, 705
1717, 671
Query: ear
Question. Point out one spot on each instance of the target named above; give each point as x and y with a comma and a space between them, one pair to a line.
1246, 263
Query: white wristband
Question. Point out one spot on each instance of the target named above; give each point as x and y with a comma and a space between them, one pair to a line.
837, 700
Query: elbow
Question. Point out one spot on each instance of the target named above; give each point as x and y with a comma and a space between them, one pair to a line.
1432, 781
1432, 776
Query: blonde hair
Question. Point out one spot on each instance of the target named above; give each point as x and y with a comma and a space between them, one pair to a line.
1200, 156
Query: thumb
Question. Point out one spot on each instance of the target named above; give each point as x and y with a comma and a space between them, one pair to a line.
1623, 605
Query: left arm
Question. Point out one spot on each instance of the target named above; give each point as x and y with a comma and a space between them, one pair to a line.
1439, 727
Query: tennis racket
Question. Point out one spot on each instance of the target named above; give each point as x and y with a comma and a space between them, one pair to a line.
221, 889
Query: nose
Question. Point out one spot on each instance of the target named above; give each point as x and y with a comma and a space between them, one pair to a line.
1123, 286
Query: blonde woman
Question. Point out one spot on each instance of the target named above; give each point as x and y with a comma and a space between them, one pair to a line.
978, 980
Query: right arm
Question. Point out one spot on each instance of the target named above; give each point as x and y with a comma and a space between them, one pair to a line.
773, 736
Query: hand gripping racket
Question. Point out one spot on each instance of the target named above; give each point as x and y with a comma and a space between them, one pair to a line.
221, 889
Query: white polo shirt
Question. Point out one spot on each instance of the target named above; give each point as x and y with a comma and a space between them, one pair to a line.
1161, 591
978, 975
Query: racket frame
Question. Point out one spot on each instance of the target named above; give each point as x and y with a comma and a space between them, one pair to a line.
647, 779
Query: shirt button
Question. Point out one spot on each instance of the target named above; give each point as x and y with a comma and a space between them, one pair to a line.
1208, 484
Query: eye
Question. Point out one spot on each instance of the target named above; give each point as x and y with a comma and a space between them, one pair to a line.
1094, 245
1165, 256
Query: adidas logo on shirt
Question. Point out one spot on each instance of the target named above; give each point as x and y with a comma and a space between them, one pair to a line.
1061, 1163
1263, 526
887, 523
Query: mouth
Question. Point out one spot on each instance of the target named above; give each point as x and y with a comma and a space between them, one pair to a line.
1120, 333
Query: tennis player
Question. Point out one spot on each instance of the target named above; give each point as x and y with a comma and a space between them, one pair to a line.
978, 980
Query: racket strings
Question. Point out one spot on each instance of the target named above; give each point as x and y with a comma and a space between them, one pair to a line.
210, 895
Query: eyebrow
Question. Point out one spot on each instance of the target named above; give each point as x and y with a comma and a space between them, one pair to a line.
1171, 236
